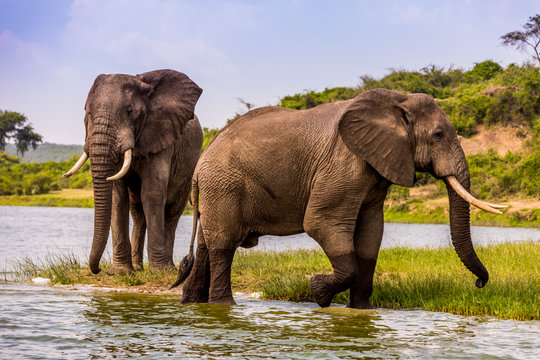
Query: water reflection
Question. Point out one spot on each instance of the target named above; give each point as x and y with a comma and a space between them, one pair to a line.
52, 323
253, 328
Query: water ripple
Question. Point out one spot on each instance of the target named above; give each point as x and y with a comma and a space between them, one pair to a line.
48, 323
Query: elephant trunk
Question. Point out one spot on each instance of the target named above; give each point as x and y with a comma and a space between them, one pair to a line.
103, 162
460, 224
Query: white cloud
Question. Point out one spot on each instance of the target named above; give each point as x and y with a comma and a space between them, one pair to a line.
146, 34
13, 48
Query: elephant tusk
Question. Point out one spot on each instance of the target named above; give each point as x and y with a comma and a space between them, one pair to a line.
495, 206
77, 165
454, 183
125, 166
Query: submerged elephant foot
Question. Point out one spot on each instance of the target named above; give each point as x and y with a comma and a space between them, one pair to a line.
361, 305
319, 289
190, 298
195, 289
225, 300
120, 269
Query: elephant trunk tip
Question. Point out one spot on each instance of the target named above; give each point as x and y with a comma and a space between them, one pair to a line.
184, 269
95, 270
480, 283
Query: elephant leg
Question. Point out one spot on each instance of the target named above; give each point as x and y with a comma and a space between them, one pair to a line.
197, 285
153, 197
325, 287
173, 212
367, 241
120, 229
220, 277
137, 235
336, 240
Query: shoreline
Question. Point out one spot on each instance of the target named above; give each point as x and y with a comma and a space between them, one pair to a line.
409, 212
405, 278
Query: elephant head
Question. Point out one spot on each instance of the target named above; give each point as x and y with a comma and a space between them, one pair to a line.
129, 115
399, 134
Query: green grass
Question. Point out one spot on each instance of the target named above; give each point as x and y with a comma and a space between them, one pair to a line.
78, 198
432, 279
82, 198
66, 269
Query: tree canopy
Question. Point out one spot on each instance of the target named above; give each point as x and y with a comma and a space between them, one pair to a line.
530, 37
15, 126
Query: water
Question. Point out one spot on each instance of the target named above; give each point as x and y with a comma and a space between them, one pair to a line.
52, 323
43, 322
36, 231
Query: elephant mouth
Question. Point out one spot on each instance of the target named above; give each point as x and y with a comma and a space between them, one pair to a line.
84, 157
125, 166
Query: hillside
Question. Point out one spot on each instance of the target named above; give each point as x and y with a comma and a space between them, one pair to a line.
47, 152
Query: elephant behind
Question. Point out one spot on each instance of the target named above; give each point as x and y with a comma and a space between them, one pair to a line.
325, 171
149, 120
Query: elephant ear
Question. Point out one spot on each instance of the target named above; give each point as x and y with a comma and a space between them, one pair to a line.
171, 105
376, 129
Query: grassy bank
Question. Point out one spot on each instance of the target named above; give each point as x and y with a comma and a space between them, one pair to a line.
434, 280
80, 198
423, 212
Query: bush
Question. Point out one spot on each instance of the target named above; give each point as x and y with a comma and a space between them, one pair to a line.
484, 70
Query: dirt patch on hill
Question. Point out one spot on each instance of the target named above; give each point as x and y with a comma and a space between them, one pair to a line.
501, 139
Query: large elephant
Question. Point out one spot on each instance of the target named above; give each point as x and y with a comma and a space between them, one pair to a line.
149, 119
325, 171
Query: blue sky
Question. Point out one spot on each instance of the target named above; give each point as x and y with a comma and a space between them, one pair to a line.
259, 51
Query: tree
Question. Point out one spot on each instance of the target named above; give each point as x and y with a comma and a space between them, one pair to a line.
14, 126
485, 70
523, 39
248, 106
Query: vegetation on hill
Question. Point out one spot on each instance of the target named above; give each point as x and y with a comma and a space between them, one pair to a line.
46, 152
17, 178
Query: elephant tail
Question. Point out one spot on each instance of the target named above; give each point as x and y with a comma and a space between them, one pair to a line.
187, 262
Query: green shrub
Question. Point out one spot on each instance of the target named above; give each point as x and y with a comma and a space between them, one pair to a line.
484, 70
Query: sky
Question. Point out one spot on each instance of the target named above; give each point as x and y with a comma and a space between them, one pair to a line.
258, 51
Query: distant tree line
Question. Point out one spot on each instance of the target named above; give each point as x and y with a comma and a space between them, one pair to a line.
486, 95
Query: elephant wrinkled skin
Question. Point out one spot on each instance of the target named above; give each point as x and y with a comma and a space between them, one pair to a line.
150, 119
325, 171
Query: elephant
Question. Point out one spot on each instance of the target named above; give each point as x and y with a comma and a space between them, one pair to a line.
149, 119
326, 171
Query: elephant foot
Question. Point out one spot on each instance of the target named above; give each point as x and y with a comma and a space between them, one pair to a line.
361, 305
220, 291
319, 289
194, 291
169, 266
225, 300
120, 269
138, 266
190, 298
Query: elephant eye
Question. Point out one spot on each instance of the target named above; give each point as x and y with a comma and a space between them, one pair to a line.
129, 109
438, 134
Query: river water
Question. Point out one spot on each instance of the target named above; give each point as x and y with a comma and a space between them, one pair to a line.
43, 322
